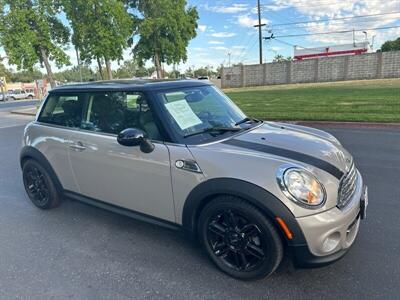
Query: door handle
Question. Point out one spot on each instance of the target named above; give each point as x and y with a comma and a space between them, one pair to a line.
77, 146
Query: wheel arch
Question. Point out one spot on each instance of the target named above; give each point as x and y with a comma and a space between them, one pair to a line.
267, 203
29, 152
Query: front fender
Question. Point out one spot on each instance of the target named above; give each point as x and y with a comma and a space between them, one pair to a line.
262, 199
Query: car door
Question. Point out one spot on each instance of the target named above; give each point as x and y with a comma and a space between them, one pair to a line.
50, 134
116, 174
18, 95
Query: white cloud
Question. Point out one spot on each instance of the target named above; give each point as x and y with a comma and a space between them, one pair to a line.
219, 48
202, 28
215, 42
328, 10
248, 21
223, 34
231, 9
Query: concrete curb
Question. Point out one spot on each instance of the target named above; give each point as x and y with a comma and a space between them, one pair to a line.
25, 111
346, 124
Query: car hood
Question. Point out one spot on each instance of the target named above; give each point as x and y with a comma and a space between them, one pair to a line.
299, 143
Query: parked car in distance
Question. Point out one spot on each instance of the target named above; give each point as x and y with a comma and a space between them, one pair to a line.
203, 78
20, 94
182, 154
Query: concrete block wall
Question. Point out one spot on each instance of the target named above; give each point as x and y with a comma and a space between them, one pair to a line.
331, 69
276, 73
252, 75
391, 64
362, 66
303, 71
365, 66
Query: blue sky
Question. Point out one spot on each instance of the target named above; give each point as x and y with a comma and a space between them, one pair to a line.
227, 27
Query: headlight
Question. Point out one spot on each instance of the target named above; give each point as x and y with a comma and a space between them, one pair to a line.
301, 187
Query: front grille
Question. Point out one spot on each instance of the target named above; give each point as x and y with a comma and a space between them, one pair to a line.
347, 187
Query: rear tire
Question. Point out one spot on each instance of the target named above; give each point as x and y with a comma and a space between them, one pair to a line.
239, 238
39, 186
30, 97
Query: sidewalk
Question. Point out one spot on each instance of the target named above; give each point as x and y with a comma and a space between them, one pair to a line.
30, 111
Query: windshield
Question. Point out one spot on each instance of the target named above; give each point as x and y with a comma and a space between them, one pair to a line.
201, 110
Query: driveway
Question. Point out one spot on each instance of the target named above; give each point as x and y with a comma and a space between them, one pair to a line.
81, 252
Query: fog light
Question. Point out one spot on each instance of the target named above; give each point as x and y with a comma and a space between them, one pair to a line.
331, 242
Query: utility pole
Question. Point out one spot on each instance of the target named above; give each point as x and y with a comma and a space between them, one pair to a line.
229, 59
354, 38
259, 25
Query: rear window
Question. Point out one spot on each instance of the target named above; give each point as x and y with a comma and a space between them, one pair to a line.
63, 110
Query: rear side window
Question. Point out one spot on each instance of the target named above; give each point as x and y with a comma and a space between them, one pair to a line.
63, 110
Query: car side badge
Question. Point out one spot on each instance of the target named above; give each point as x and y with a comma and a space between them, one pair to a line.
188, 165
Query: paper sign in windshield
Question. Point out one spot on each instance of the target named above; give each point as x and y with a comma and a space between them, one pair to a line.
183, 114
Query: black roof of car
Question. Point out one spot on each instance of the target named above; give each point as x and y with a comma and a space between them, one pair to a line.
128, 85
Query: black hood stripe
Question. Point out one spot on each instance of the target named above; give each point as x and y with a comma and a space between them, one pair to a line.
316, 162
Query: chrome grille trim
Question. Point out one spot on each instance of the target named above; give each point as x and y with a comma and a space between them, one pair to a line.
347, 187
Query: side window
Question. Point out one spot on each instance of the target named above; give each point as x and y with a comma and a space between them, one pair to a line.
63, 110
112, 112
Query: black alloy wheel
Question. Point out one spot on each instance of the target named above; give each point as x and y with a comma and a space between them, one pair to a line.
239, 239
39, 186
236, 240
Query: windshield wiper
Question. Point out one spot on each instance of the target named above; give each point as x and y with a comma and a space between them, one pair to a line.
245, 120
213, 129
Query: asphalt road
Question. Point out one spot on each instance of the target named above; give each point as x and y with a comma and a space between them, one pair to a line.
81, 252
17, 103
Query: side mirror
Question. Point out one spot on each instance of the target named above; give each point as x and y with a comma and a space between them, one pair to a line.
131, 137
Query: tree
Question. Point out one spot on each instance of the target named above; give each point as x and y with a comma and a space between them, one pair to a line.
26, 75
391, 45
74, 74
174, 74
4, 72
165, 28
101, 30
201, 72
31, 33
127, 70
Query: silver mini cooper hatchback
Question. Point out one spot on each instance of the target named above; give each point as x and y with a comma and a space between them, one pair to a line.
181, 154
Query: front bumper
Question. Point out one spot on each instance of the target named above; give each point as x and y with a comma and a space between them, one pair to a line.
330, 234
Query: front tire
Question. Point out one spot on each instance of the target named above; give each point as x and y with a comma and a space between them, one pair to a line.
239, 238
39, 186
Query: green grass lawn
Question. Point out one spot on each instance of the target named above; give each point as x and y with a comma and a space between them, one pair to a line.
366, 100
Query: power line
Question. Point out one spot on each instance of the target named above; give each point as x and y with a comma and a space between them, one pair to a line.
247, 51
289, 44
341, 31
335, 19
349, 23
302, 4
